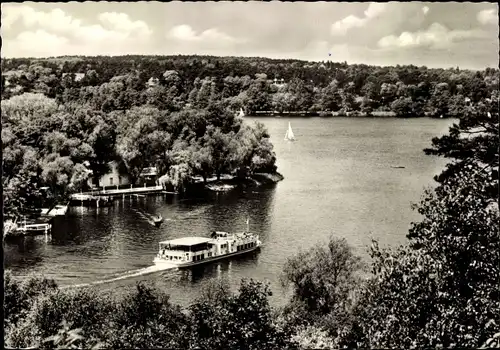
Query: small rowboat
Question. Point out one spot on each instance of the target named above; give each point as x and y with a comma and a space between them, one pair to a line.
158, 220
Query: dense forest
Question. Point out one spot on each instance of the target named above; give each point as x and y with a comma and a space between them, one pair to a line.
64, 119
254, 84
439, 291
58, 133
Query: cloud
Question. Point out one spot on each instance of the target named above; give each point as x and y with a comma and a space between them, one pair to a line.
122, 23
437, 37
55, 20
40, 42
184, 32
375, 9
341, 27
487, 16
425, 9
114, 33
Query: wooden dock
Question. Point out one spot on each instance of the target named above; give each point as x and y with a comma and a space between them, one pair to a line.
117, 192
26, 229
57, 210
105, 197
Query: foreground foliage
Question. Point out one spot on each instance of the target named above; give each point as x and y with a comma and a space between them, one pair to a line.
143, 318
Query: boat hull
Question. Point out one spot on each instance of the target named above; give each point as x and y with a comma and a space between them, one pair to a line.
188, 264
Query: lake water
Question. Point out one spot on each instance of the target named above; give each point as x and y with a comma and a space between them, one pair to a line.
338, 181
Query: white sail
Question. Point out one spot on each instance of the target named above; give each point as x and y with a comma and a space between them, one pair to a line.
242, 114
289, 133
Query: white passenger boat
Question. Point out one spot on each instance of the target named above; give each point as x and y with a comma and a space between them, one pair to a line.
190, 251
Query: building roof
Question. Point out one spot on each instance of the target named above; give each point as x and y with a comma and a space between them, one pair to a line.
78, 76
187, 241
149, 171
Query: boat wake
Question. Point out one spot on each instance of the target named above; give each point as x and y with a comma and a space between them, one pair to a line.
126, 275
148, 217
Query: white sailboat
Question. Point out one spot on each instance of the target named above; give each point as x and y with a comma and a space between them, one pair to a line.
241, 114
289, 133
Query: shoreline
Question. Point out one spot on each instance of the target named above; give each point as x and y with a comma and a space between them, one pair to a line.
226, 184
352, 114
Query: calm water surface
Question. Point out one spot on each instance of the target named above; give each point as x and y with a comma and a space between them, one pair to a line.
338, 181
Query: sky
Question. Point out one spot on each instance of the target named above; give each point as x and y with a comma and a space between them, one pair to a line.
447, 34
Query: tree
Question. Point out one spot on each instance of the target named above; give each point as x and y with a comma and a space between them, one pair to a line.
281, 101
442, 290
21, 180
439, 100
388, 93
472, 142
102, 140
323, 279
29, 116
242, 321
402, 106
19, 296
220, 147
331, 98
258, 98
142, 142
456, 106
203, 161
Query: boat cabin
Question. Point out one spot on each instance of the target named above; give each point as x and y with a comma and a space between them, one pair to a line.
195, 249
186, 249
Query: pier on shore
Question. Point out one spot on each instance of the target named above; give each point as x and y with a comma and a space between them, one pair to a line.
105, 197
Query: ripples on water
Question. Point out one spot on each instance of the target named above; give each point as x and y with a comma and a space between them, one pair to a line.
338, 180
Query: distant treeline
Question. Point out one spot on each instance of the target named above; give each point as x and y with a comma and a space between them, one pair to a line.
254, 84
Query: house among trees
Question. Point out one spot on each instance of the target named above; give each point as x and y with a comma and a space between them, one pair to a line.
152, 82
117, 176
78, 76
279, 83
149, 176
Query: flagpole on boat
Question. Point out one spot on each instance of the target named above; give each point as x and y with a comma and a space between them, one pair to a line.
248, 222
